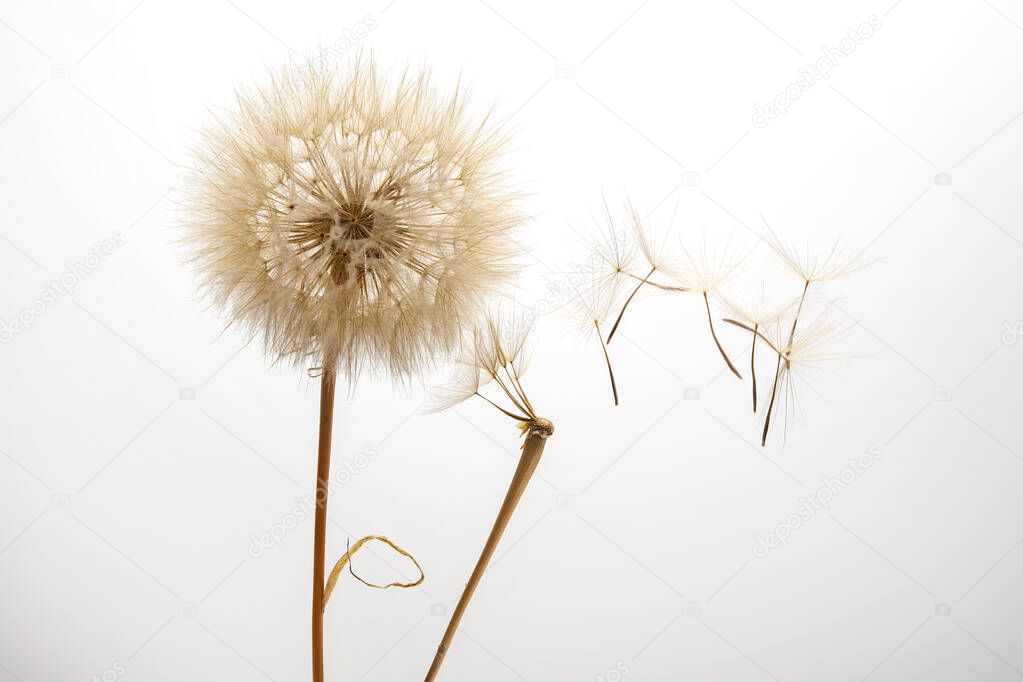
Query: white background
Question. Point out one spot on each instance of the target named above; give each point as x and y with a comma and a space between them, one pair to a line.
127, 509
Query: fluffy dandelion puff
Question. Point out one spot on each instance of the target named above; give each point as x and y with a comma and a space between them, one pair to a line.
351, 218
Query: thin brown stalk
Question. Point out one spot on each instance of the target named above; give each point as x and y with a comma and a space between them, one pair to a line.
770, 405
713, 334
618, 320
510, 394
327, 383
532, 449
778, 368
658, 285
799, 309
607, 359
510, 414
517, 383
756, 332
753, 364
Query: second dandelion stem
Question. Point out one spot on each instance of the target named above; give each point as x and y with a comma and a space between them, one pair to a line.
532, 449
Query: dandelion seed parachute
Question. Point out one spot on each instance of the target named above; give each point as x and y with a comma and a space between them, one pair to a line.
704, 274
811, 267
593, 304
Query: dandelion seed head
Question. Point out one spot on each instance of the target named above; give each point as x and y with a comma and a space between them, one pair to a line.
351, 218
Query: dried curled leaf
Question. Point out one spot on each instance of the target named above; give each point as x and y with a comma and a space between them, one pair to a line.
335, 573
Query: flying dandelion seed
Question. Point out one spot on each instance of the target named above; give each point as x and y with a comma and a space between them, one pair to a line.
593, 304
704, 273
798, 354
651, 246
621, 259
809, 268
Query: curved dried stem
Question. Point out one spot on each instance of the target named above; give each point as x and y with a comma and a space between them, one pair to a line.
753, 364
750, 329
713, 334
770, 405
510, 414
658, 285
517, 383
607, 359
511, 395
799, 309
618, 320
346, 558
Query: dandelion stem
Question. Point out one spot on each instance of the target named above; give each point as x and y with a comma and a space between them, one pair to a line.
770, 405
607, 359
753, 364
618, 320
532, 449
327, 382
713, 334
